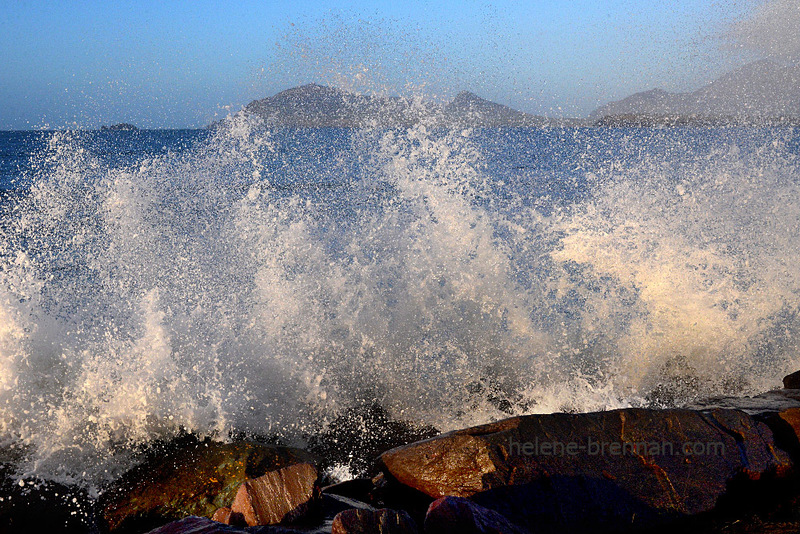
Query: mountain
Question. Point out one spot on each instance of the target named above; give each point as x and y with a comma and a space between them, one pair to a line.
123, 126
468, 109
764, 91
655, 102
319, 106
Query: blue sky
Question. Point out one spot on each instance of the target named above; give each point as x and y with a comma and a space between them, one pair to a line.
183, 64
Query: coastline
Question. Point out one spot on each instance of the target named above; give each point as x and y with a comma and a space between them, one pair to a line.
726, 464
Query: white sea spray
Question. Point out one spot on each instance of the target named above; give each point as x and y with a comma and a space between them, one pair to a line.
263, 281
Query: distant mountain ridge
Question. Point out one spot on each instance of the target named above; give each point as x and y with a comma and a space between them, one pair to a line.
123, 126
315, 105
468, 109
761, 92
764, 91
319, 106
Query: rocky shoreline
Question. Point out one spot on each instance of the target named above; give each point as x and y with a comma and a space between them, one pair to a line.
724, 465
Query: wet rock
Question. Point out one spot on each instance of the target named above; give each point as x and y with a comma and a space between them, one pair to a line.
791, 419
286, 495
333, 504
389, 493
196, 525
792, 381
357, 488
36, 505
222, 515
457, 515
204, 525
358, 435
42, 506
631, 468
227, 516
764, 404
381, 521
190, 479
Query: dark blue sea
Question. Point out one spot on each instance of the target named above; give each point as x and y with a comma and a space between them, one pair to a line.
253, 280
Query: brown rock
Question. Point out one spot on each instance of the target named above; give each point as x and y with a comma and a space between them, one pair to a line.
222, 515
282, 496
190, 479
792, 418
792, 381
785, 426
458, 515
594, 471
383, 521
359, 434
229, 517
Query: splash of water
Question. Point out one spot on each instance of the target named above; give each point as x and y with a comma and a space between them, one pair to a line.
699, 252
263, 281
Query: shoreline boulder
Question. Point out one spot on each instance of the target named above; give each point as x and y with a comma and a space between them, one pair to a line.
188, 480
457, 515
382, 521
287, 495
595, 471
792, 381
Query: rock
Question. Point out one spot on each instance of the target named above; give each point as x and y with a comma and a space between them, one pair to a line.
222, 515
791, 417
42, 506
388, 493
767, 403
196, 525
381, 521
190, 479
595, 471
792, 381
37, 505
357, 488
458, 515
359, 434
285, 495
333, 504
204, 525
227, 516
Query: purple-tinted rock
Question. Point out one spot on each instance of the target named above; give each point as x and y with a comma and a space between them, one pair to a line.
282, 496
457, 515
196, 525
204, 525
383, 521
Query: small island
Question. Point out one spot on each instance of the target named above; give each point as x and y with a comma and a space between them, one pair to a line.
123, 126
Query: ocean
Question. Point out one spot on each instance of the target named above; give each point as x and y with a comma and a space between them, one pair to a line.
248, 280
